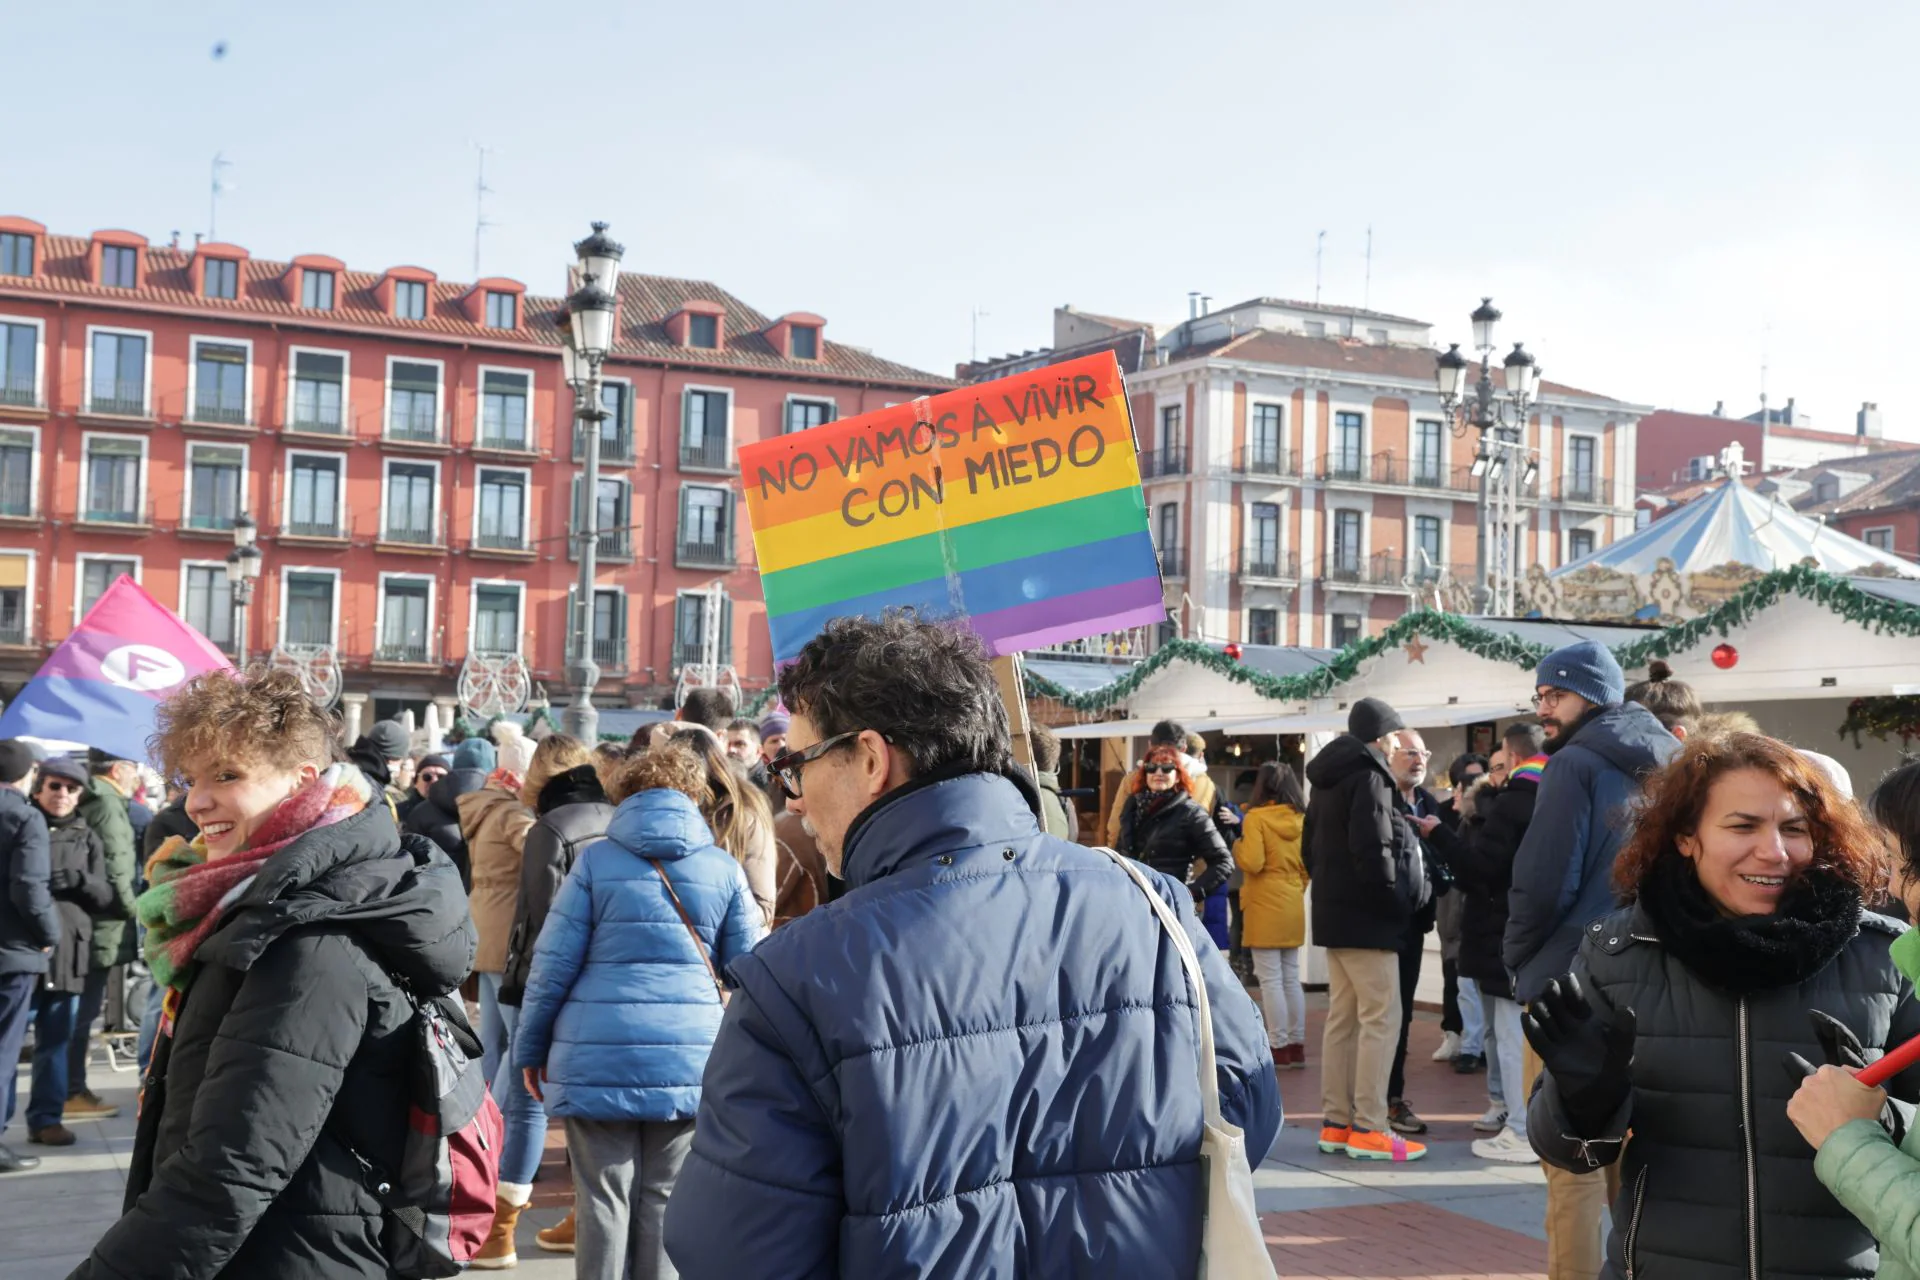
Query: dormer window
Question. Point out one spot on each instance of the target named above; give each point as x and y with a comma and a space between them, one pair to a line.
699, 324
119, 266
503, 311
410, 299
703, 331
222, 278
16, 254
316, 290
806, 342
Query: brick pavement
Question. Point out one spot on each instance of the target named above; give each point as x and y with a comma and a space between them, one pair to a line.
1384, 1241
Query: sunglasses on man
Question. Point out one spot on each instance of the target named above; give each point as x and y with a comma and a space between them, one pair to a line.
63, 785
430, 775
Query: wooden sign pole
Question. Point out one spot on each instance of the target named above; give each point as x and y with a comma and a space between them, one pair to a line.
1014, 694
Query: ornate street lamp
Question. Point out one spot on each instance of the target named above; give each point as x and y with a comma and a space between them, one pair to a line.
1500, 417
587, 333
243, 570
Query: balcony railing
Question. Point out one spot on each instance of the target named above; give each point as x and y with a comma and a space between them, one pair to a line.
509, 541
691, 654
706, 454
1173, 562
1365, 571
1163, 462
615, 543
1395, 471
615, 446
19, 392
413, 651
1263, 460
126, 400
497, 437
13, 631
717, 554
317, 422
609, 652
413, 428
211, 410
1266, 562
115, 513
328, 528
1585, 488
208, 522
410, 531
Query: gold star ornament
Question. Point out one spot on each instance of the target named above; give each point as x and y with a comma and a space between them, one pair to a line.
1417, 650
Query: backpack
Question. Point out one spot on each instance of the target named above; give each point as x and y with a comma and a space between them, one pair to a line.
439, 1204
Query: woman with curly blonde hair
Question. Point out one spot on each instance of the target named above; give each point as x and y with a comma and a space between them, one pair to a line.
283, 933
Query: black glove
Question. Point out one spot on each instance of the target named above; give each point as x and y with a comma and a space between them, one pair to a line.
1590, 1058
61, 879
1841, 1048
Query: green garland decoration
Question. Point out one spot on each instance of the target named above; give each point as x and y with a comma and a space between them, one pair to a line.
1832, 592
1883, 718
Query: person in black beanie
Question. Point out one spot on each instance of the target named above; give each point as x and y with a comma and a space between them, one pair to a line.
29, 924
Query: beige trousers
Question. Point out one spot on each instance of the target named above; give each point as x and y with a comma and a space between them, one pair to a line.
1363, 1025
1575, 1203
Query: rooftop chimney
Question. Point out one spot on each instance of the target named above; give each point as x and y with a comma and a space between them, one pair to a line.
1788, 416
1193, 304
1866, 424
1206, 304
175, 242
1719, 408
196, 239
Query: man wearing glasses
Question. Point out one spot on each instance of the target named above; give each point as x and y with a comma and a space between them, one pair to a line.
982, 1060
1599, 747
29, 922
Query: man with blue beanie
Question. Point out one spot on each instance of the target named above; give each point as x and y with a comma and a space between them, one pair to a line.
1599, 749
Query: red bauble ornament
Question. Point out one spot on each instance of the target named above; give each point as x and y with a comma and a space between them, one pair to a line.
1232, 650
1725, 656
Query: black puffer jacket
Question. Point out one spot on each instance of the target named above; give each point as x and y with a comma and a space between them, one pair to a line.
573, 813
29, 921
77, 878
169, 822
287, 1054
1172, 838
438, 818
1365, 860
1481, 860
1714, 1161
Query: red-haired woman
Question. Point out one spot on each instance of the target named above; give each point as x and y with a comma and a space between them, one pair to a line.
1165, 827
1745, 875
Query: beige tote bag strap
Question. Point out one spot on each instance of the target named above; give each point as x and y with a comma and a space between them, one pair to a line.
692, 932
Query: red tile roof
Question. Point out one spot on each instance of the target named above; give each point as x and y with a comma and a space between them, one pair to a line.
645, 302
1896, 482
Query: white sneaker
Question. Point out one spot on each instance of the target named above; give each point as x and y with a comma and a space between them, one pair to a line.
1506, 1148
1493, 1122
1449, 1048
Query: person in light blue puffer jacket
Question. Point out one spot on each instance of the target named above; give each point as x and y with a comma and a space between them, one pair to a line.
621, 1006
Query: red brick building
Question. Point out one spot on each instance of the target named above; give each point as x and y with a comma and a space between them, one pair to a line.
407, 447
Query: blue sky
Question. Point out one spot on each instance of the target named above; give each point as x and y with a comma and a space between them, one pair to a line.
1655, 195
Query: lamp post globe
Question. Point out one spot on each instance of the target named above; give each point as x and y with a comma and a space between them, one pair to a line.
1484, 317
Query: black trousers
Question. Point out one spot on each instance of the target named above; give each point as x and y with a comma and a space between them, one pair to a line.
1412, 951
1450, 997
16, 1007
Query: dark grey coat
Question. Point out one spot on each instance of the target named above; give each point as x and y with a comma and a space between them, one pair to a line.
573, 814
76, 849
28, 921
1717, 1184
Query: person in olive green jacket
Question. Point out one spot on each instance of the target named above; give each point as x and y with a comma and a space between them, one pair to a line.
105, 809
1857, 1160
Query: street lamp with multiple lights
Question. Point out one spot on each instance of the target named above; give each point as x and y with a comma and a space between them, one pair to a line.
243, 570
587, 335
1503, 462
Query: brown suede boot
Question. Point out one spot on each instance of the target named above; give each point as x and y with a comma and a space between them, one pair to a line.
497, 1253
557, 1238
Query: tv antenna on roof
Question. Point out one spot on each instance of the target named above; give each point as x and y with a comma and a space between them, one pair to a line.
480, 193
1319, 250
215, 188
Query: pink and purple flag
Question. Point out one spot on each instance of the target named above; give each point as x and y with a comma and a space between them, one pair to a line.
103, 683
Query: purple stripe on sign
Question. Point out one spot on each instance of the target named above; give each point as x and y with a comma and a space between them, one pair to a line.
78, 658
1085, 613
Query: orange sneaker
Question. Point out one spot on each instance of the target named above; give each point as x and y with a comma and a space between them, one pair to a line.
1333, 1138
1362, 1145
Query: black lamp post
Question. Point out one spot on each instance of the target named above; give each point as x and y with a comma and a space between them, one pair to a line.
243, 570
1502, 462
586, 338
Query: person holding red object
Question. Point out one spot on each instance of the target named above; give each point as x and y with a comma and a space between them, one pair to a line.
1745, 875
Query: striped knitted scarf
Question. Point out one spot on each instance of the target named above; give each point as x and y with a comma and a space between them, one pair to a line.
190, 894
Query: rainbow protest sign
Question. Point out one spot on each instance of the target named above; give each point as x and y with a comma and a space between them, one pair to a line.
1014, 505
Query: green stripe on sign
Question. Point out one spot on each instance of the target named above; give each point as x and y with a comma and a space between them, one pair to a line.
971, 546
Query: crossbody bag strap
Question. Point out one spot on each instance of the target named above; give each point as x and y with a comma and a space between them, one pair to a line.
687, 920
1209, 1076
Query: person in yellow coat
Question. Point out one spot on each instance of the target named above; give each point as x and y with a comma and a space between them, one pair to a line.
1273, 902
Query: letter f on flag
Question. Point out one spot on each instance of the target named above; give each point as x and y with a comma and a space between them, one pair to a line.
103, 684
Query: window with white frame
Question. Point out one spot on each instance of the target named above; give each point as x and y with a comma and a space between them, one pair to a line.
693, 623
609, 623
214, 479
1583, 471
1579, 544
309, 612
412, 515
16, 472
1263, 540
706, 532
1429, 453
206, 600
1427, 554
502, 510
1263, 626
97, 573
113, 481
803, 415
1880, 538
316, 290
703, 429
1263, 440
616, 429
413, 401
1173, 560
1347, 552
404, 619
410, 299
610, 517
220, 278
1347, 459
319, 383
1172, 453
314, 486
496, 618
219, 383
503, 409
119, 383
19, 363
1346, 629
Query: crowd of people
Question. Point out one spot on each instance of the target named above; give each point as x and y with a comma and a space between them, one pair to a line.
842, 978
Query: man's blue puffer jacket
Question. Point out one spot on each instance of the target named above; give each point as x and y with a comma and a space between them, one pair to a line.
980, 1063
619, 1007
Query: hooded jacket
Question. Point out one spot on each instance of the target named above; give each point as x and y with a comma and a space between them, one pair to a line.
1716, 1183
29, 921
1481, 860
1365, 860
1273, 898
75, 853
620, 1008
979, 1062
105, 810
495, 825
438, 817
1174, 837
284, 1058
1563, 871
573, 812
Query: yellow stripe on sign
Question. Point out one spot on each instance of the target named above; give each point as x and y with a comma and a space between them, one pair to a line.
822, 537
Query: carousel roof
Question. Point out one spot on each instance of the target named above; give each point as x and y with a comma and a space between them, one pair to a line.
1734, 525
